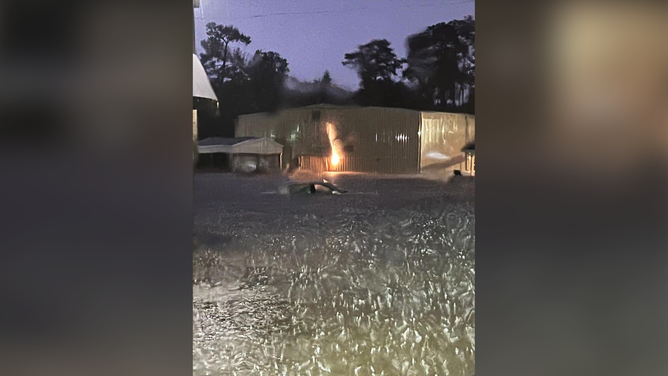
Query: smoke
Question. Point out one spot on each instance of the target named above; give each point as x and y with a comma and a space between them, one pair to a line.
294, 85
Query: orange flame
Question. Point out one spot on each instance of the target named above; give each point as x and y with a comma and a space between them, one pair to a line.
331, 134
335, 159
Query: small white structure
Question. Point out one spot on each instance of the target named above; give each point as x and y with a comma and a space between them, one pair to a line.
247, 154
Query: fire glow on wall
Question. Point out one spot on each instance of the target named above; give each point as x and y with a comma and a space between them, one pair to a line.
335, 158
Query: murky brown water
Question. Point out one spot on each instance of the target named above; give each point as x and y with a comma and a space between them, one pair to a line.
379, 281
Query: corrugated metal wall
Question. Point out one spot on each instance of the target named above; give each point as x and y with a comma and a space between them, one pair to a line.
374, 139
291, 128
314, 163
443, 135
371, 139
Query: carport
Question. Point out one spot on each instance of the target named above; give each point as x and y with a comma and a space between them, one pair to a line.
243, 154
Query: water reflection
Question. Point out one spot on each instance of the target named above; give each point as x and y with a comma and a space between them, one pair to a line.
346, 285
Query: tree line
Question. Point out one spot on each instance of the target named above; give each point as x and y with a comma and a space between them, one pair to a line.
438, 73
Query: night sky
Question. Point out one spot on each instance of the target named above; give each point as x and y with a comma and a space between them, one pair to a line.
313, 35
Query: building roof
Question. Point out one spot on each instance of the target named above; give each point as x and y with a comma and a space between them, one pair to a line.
324, 106
239, 145
469, 147
316, 107
201, 86
223, 141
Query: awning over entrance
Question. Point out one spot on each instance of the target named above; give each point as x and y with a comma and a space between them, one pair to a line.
201, 86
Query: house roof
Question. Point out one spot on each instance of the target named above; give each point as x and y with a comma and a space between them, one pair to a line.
201, 86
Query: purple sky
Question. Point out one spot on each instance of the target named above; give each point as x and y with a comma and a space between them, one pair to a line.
313, 35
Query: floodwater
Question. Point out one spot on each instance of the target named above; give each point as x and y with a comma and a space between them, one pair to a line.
377, 281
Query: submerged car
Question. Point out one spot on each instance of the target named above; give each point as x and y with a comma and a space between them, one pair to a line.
315, 187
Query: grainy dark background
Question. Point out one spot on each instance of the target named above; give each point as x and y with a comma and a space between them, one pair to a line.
96, 218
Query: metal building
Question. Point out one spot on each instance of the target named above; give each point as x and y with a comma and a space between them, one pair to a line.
364, 139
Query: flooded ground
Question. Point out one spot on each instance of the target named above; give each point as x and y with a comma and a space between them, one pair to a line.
377, 281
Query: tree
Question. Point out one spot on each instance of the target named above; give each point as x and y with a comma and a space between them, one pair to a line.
243, 84
441, 63
374, 62
324, 88
376, 65
217, 53
466, 32
320, 91
267, 72
326, 79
